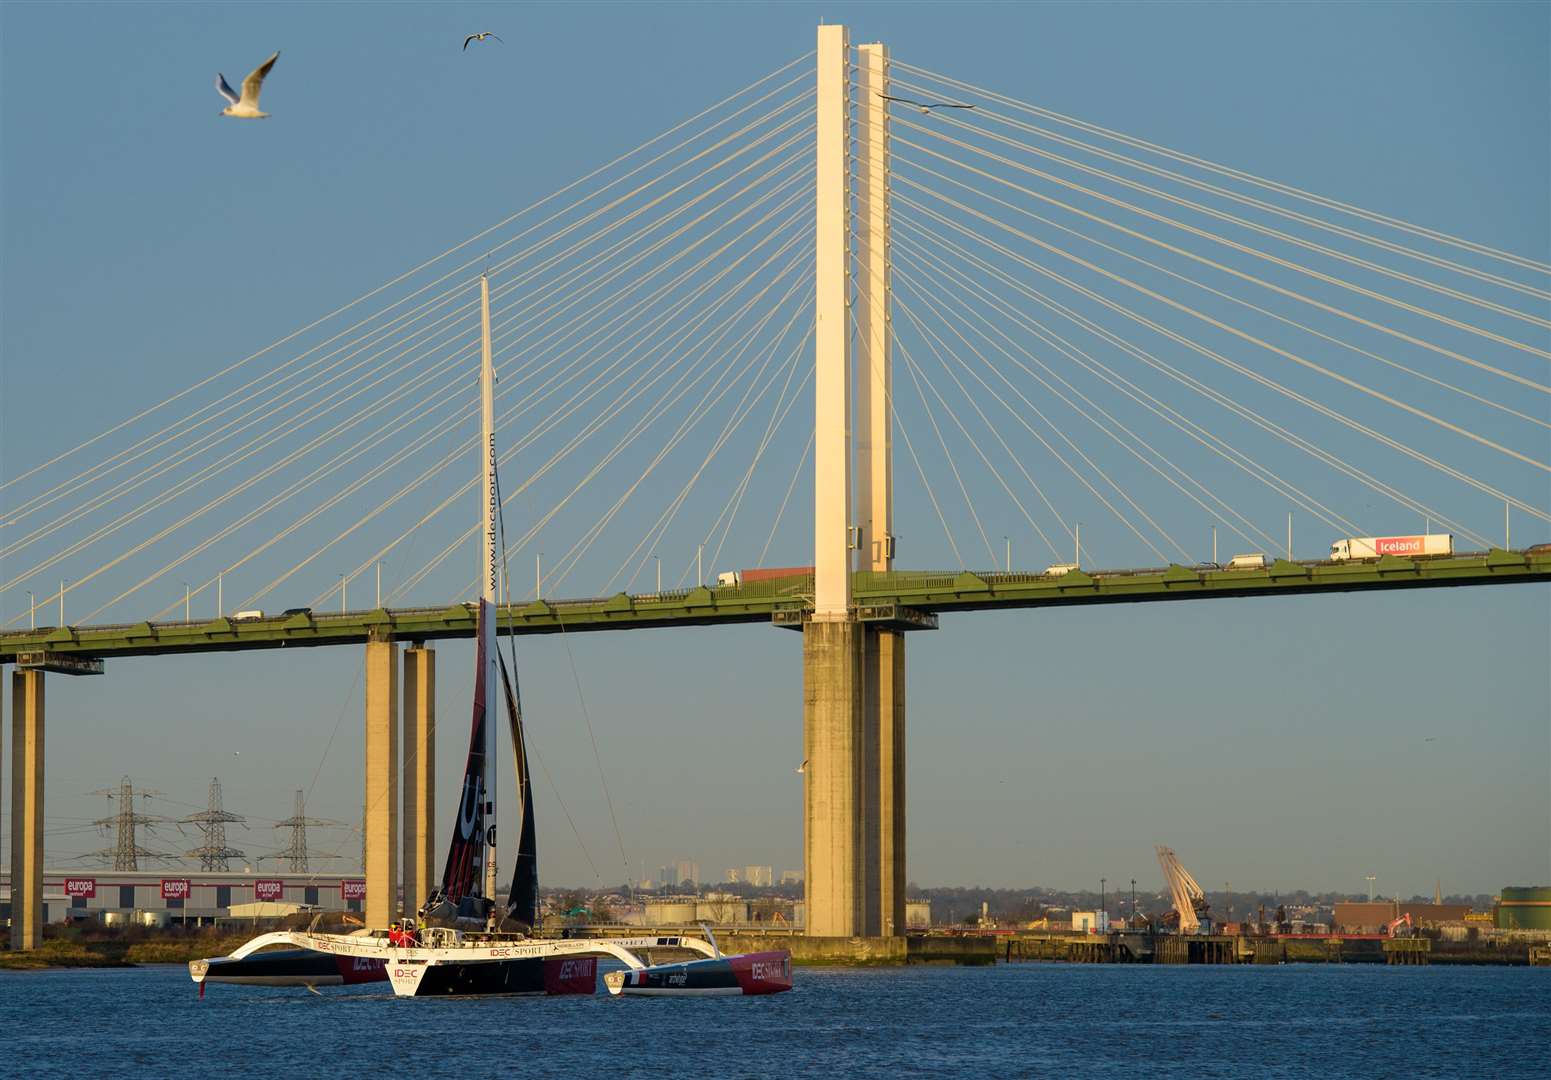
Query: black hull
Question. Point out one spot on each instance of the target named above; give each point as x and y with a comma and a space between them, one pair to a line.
529, 976
290, 967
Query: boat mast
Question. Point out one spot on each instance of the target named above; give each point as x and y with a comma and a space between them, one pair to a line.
490, 510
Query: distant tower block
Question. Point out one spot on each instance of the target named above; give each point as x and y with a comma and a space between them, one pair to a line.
213, 854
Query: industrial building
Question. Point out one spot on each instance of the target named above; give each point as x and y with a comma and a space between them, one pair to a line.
1525, 907
1372, 916
176, 897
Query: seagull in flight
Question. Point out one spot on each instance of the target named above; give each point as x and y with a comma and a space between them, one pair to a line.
925, 107
479, 37
246, 107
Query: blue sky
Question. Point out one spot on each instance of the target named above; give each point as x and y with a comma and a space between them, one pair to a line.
1299, 742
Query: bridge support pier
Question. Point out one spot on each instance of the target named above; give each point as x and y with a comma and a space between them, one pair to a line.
833, 828
26, 809
382, 783
883, 662
419, 775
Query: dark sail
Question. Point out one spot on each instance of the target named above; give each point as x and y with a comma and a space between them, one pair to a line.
523, 906
464, 873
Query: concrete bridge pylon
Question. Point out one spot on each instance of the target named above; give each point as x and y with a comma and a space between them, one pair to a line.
853, 672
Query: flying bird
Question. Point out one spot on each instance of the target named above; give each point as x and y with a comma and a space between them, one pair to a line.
479, 37
803, 767
925, 107
246, 107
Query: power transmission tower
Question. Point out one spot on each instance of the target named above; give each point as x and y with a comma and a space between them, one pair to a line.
126, 851
213, 854
295, 853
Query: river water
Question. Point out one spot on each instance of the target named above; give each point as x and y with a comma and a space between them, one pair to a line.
1053, 1020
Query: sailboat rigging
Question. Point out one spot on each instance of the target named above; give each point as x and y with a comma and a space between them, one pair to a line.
463, 940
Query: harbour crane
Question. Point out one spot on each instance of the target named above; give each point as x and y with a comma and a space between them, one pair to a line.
1189, 899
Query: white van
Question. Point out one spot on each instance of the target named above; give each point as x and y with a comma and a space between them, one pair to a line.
243, 616
1253, 561
1059, 569
730, 577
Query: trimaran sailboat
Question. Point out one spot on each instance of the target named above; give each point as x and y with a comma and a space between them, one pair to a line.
464, 941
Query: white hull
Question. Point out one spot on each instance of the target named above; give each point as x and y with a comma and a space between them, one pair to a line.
474, 961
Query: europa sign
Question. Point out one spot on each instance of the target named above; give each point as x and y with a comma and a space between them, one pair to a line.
352, 890
81, 886
268, 890
175, 888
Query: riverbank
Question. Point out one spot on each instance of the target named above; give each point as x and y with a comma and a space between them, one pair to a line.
111, 953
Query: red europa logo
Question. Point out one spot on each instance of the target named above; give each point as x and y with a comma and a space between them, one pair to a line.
81, 886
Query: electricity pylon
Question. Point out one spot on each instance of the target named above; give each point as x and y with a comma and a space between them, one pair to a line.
213, 854
126, 851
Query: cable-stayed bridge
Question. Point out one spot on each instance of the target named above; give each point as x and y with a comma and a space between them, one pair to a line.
1109, 352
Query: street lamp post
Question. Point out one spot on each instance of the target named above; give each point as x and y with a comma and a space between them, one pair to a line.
1102, 883
1133, 902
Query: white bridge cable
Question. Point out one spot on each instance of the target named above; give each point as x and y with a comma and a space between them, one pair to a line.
1206, 390
256, 415
1215, 395
786, 498
1231, 219
942, 315
904, 431
1087, 460
1012, 455
740, 411
579, 181
1330, 309
789, 178
1232, 365
536, 396
672, 397
943, 272
431, 305
1243, 335
702, 408
1239, 175
778, 415
916, 377
275, 435
294, 455
664, 346
682, 335
862, 282
590, 390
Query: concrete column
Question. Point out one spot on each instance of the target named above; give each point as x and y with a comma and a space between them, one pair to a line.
419, 775
886, 714
382, 783
832, 745
870, 868
874, 362
26, 809
832, 332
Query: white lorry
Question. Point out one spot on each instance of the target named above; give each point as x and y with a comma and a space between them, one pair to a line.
1372, 547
